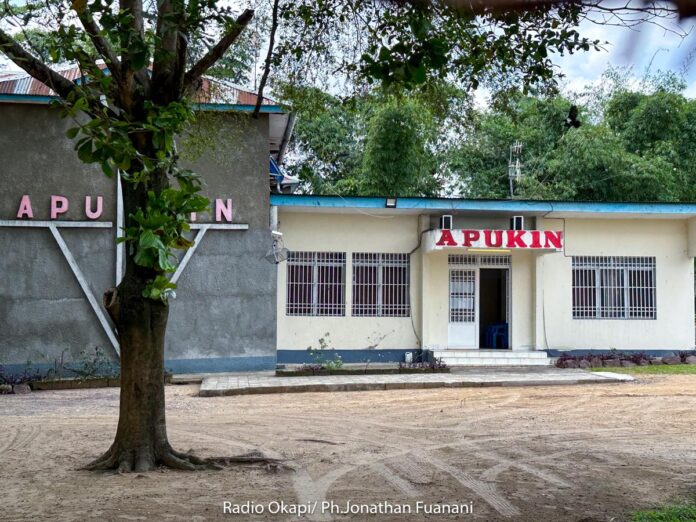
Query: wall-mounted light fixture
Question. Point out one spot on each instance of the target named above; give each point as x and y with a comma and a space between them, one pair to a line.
390, 203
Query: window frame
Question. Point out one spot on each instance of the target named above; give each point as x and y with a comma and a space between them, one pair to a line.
612, 281
381, 261
315, 260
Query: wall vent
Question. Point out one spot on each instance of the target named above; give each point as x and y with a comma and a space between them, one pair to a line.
446, 222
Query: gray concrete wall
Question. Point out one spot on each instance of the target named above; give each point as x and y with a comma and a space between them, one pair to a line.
224, 315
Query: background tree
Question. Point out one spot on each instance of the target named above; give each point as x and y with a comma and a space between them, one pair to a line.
397, 161
637, 145
368, 145
129, 110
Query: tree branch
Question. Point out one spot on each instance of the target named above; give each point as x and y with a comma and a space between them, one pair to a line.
169, 63
267, 65
100, 43
211, 57
34, 67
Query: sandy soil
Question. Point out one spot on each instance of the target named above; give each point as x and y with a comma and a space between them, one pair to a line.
591, 453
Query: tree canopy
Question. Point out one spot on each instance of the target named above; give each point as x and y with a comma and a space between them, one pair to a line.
640, 148
634, 143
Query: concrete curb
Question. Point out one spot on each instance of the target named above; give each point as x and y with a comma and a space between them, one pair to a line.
217, 387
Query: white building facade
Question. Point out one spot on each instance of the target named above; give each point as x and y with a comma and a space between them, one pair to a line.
482, 282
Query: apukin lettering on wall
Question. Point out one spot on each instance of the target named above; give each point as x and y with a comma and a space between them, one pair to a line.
93, 208
509, 239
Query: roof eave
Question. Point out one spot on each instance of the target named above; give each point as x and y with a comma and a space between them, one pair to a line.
545, 208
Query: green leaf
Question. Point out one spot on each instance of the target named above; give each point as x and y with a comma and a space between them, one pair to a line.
106, 169
149, 239
84, 152
164, 262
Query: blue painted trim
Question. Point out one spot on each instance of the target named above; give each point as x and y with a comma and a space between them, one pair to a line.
218, 107
176, 366
26, 98
347, 356
225, 107
449, 204
44, 368
221, 364
651, 353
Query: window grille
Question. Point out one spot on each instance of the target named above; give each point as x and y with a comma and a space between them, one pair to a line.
316, 283
462, 291
614, 287
489, 260
479, 260
381, 285
463, 260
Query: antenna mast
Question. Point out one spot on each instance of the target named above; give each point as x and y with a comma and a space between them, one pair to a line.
514, 166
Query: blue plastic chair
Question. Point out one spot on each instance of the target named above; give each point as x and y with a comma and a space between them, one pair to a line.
497, 335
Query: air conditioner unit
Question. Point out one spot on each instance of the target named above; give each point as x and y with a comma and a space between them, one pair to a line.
517, 223
446, 222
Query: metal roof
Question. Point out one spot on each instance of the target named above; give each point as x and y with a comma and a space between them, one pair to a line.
211, 90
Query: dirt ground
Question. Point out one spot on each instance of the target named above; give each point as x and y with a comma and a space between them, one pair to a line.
590, 453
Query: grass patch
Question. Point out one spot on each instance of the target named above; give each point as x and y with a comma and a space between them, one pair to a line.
653, 369
671, 513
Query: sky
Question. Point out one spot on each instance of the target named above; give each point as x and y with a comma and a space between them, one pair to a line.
642, 47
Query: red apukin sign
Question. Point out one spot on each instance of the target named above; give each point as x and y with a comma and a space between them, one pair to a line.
508, 239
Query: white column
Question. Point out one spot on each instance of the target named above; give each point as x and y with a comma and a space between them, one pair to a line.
540, 340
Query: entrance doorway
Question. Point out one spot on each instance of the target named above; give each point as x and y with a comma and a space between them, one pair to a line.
493, 324
479, 302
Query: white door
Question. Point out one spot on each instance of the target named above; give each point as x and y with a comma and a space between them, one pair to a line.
463, 308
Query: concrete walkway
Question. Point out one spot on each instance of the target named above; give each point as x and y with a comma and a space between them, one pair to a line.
244, 384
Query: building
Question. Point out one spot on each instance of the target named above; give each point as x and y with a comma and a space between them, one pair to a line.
374, 279
482, 282
59, 219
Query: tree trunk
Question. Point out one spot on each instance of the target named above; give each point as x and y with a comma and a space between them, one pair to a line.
141, 442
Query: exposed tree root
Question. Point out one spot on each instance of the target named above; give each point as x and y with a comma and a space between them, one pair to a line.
253, 458
107, 461
127, 461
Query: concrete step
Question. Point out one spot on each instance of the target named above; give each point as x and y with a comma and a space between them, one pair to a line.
492, 358
476, 354
496, 362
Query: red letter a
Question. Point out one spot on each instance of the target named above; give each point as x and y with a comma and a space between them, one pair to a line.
446, 239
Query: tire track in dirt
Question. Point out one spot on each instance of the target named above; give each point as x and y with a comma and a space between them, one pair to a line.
418, 475
22, 437
395, 480
488, 492
504, 464
12, 433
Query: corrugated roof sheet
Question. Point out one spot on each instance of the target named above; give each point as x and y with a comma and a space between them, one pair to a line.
210, 91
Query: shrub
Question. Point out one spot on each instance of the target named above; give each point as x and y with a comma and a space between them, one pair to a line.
29, 374
637, 358
684, 355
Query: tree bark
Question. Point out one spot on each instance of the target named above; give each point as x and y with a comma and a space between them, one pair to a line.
141, 442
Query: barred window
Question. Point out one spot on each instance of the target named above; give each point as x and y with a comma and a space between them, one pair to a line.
316, 283
462, 292
381, 285
614, 287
